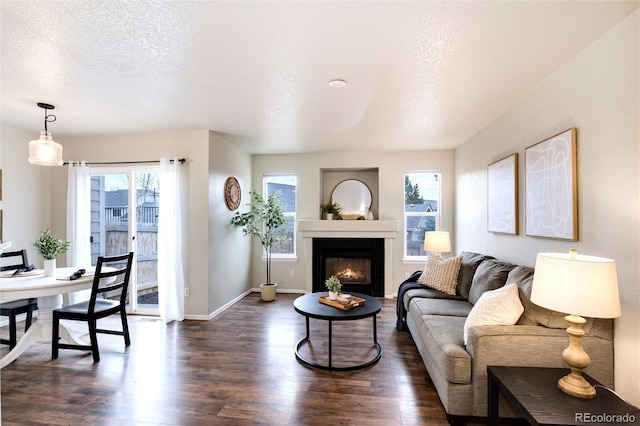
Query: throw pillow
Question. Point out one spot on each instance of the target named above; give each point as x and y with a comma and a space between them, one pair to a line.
441, 274
495, 307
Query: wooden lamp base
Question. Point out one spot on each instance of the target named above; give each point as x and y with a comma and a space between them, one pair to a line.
577, 359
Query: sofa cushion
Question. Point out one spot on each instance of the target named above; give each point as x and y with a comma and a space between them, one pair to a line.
442, 335
501, 306
533, 314
468, 266
441, 274
523, 276
444, 307
490, 274
537, 315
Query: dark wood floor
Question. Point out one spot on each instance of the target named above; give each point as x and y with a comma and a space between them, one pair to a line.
237, 369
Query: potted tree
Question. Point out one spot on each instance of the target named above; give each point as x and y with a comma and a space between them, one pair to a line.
50, 247
264, 220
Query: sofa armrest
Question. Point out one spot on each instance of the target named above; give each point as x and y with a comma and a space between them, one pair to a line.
529, 346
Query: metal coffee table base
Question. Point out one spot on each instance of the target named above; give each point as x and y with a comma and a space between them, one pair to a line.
330, 367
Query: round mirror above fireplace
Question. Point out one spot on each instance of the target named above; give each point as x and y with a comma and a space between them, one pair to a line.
354, 197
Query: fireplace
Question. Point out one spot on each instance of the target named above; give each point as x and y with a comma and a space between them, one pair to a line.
357, 262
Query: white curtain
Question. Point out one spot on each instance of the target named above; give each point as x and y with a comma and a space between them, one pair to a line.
79, 221
170, 270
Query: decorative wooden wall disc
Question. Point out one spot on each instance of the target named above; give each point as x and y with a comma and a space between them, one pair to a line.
232, 193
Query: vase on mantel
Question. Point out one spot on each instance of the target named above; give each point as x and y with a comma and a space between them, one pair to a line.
49, 267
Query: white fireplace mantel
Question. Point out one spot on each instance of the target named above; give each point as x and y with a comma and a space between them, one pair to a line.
387, 229
348, 228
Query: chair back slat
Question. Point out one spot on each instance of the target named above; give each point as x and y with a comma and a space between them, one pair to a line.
22, 254
111, 282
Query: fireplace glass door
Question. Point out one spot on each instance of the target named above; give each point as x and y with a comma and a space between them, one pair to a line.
349, 270
357, 262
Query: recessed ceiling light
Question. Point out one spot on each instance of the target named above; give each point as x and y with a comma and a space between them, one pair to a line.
337, 84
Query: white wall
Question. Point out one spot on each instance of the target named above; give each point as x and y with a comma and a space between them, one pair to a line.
26, 193
229, 250
598, 93
391, 168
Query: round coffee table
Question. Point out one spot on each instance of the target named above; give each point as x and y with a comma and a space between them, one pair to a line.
309, 306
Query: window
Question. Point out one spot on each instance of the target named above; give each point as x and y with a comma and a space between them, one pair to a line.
284, 186
421, 210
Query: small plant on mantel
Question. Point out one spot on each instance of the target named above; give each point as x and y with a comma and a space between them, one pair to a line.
331, 208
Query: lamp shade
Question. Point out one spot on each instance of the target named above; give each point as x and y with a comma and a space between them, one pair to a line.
45, 151
437, 241
576, 284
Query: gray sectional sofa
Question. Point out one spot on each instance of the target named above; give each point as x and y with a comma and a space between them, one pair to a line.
458, 371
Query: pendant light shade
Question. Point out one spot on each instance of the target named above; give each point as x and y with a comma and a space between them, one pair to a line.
45, 151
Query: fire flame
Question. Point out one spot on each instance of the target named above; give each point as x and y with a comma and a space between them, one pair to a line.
349, 274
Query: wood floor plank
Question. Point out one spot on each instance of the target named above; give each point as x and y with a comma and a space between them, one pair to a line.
237, 369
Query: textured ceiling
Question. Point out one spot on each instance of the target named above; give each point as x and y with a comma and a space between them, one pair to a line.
420, 74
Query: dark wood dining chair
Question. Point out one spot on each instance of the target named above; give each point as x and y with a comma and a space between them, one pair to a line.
16, 307
108, 297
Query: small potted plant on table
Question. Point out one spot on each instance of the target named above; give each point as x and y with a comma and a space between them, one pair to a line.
334, 285
50, 247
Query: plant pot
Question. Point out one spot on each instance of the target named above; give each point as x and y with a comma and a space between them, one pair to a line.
268, 292
49, 267
329, 216
333, 295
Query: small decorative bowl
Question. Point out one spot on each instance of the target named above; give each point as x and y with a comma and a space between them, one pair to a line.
344, 299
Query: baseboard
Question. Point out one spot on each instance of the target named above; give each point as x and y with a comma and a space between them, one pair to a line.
234, 301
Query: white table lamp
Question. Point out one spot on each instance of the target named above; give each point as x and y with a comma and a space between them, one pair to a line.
437, 242
581, 286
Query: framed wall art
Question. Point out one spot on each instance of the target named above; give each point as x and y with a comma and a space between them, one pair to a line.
551, 188
502, 196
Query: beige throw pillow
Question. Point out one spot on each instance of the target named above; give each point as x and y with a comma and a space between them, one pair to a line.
441, 274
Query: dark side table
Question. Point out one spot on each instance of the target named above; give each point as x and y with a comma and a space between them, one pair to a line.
309, 306
533, 392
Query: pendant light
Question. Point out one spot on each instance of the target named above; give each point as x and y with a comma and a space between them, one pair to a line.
45, 151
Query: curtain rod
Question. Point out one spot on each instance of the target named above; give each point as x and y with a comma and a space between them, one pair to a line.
181, 160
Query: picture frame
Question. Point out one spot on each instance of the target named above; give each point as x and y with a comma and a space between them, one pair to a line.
502, 196
551, 193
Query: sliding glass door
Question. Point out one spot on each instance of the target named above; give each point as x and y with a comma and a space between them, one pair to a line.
124, 217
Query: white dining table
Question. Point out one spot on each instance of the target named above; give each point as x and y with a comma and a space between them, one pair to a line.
49, 291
